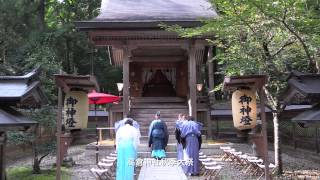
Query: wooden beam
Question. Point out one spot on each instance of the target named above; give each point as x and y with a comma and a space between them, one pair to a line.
160, 42
126, 91
192, 82
105, 40
59, 124
264, 134
158, 58
132, 33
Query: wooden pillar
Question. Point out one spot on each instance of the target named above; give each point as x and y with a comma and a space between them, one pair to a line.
192, 82
211, 75
210, 94
110, 116
2, 155
264, 133
59, 124
126, 85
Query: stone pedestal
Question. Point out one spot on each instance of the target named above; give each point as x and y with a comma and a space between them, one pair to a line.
64, 144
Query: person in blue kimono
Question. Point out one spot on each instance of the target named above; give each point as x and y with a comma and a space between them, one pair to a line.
127, 140
191, 142
158, 137
181, 119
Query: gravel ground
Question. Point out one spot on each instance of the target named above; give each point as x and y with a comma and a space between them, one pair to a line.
296, 166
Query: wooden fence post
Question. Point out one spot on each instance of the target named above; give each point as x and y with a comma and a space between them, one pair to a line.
2, 155
294, 135
217, 128
317, 140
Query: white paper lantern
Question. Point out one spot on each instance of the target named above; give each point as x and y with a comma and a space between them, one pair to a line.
244, 109
76, 107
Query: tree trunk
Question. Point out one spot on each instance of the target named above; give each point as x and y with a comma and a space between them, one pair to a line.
4, 55
317, 59
41, 14
68, 63
277, 144
36, 163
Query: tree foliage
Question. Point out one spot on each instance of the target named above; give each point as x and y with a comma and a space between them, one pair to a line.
42, 33
264, 37
43, 142
58, 45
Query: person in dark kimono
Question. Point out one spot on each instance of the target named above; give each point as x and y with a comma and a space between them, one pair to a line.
181, 119
158, 137
191, 142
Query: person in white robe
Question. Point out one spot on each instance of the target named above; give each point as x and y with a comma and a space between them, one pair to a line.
127, 140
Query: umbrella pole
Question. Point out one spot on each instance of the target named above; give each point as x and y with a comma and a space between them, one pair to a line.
97, 138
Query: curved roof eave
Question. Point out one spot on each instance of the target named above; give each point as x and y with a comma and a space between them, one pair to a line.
94, 25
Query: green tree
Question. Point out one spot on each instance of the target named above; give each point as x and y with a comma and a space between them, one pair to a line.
42, 33
40, 138
264, 37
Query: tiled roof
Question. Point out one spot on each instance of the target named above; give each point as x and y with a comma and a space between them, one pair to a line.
155, 10
10, 118
124, 14
20, 89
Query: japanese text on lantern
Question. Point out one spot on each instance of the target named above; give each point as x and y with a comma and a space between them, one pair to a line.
71, 102
245, 109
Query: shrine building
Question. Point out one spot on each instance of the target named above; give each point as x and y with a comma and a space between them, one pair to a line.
161, 70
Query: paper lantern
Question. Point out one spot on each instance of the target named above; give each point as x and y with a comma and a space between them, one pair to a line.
244, 109
76, 107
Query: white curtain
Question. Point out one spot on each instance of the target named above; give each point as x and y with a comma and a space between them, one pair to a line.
170, 73
147, 74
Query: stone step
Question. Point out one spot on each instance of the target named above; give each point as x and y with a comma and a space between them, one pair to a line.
157, 99
144, 130
150, 119
144, 139
148, 122
159, 106
170, 147
162, 110
172, 115
171, 150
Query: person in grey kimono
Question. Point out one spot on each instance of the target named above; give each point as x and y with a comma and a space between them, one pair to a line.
158, 137
181, 119
191, 142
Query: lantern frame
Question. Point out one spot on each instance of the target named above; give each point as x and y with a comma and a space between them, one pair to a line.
257, 82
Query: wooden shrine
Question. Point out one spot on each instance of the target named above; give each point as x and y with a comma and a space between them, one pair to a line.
155, 62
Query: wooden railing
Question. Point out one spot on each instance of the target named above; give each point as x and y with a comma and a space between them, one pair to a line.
110, 129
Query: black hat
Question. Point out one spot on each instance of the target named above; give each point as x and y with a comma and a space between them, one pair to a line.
129, 121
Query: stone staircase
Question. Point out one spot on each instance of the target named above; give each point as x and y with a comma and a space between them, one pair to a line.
144, 109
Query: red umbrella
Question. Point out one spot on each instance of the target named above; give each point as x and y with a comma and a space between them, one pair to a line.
102, 98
